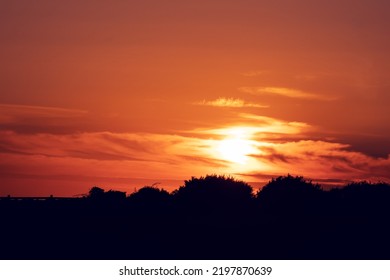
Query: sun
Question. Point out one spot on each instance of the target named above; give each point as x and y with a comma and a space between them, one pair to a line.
236, 148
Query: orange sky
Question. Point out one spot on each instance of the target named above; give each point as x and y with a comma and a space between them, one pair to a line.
125, 93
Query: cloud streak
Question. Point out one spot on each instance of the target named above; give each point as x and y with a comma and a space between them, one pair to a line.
259, 128
100, 145
230, 103
287, 92
33, 119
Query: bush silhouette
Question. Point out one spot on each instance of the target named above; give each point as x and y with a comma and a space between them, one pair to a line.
362, 197
96, 193
149, 193
289, 194
99, 194
150, 196
114, 195
213, 192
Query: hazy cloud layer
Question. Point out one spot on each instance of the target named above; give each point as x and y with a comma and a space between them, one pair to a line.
262, 144
269, 149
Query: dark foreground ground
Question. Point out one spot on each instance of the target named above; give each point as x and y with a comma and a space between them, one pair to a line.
287, 220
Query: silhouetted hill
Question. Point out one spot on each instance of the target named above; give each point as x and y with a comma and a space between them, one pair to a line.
211, 217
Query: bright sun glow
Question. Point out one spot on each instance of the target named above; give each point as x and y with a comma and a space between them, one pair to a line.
236, 147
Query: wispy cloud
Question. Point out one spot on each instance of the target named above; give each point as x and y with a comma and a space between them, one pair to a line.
122, 154
281, 147
230, 102
11, 111
254, 73
32, 119
100, 145
323, 160
276, 126
258, 127
287, 92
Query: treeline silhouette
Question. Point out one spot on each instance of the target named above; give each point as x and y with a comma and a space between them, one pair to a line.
212, 217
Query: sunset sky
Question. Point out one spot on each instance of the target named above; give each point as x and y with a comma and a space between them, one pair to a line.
122, 94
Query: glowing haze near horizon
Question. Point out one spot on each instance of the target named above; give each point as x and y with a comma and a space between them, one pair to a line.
120, 93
